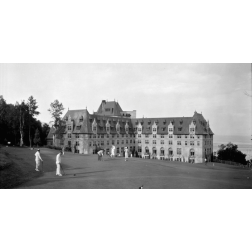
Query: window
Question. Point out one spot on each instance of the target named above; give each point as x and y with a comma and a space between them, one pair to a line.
102, 143
146, 136
170, 151
147, 141
139, 141
192, 152
191, 136
127, 135
122, 149
154, 151
170, 136
179, 136
69, 135
198, 143
185, 142
146, 150
69, 127
130, 140
122, 135
94, 128
107, 142
78, 127
90, 144
107, 128
107, 136
179, 151
107, 109
139, 135
179, 143
113, 141
139, 149
117, 136
154, 142
154, 136
162, 141
191, 130
170, 142
185, 136
117, 141
162, 152
127, 141
102, 136
198, 137
77, 136
154, 129
191, 143
162, 136
179, 128
170, 129
77, 143
139, 129
98, 136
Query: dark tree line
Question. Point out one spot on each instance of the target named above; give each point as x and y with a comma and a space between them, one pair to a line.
18, 123
230, 152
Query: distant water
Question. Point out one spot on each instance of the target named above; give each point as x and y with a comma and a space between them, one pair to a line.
244, 143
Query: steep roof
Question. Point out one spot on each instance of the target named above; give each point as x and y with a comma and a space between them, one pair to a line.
51, 132
83, 124
109, 108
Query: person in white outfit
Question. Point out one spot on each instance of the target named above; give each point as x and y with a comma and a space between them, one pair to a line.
126, 150
113, 151
58, 164
38, 159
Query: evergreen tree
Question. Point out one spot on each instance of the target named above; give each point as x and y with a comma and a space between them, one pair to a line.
36, 139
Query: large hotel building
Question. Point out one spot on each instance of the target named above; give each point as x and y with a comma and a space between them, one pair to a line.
184, 139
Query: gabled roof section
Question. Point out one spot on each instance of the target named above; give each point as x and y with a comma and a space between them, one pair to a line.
51, 132
201, 125
109, 108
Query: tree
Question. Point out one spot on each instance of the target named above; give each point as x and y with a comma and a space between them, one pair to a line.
230, 152
32, 110
36, 139
23, 110
45, 132
56, 111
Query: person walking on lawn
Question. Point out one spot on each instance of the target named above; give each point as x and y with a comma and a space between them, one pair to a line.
58, 164
38, 159
100, 154
126, 150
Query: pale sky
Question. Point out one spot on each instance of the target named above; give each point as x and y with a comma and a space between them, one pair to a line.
154, 90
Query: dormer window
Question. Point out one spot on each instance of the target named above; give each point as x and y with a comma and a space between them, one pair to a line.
170, 129
163, 129
81, 119
179, 128
78, 127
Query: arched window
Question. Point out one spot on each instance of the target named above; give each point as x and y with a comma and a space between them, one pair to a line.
170, 152
162, 152
146, 150
154, 151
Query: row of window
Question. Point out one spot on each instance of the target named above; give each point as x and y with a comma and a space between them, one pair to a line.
162, 151
170, 142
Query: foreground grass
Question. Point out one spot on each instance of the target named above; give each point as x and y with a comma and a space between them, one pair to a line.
14, 171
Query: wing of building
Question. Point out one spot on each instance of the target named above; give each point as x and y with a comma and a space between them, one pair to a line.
184, 139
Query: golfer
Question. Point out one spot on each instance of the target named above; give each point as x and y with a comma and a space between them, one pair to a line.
100, 154
58, 164
38, 159
126, 153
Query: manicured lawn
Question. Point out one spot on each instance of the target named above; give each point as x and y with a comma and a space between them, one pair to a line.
85, 171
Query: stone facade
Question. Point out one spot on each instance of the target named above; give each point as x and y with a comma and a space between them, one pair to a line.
185, 139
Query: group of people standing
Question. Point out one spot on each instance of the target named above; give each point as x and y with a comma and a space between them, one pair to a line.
39, 160
100, 153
